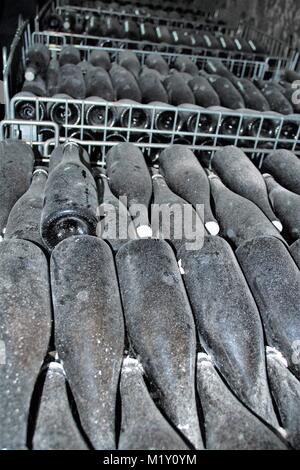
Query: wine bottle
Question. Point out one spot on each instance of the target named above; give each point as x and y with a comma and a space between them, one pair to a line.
178, 91
147, 32
274, 280
71, 201
154, 298
55, 427
130, 178
71, 81
163, 34
151, 86
84, 66
253, 98
185, 176
99, 113
277, 101
36, 86
25, 315
240, 219
184, 64
62, 111
37, 61
143, 426
129, 61
228, 424
172, 218
286, 392
216, 67
284, 166
69, 55
52, 22
26, 107
132, 116
52, 77
295, 252
204, 93
25, 217
131, 30
16, 166
99, 58
69, 20
98, 83
240, 175
116, 226
237, 349
112, 28
286, 206
165, 118
197, 119
124, 84
157, 62
228, 94
92, 357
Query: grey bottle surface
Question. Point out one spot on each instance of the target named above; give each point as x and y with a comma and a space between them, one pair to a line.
228, 322
98, 83
129, 61
157, 62
228, 94
70, 199
69, 55
295, 252
174, 228
286, 205
99, 58
115, 225
36, 86
240, 175
37, 61
274, 280
55, 427
184, 64
277, 101
24, 220
161, 328
151, 86
204, 93
253, 97
57, 155
52, 77
89, 331
286, 392
178, 91
143, 426
228, 424
71, 81
284, 166
185, 176
124, 84
240, 219
25, 319
16, 166
129, 177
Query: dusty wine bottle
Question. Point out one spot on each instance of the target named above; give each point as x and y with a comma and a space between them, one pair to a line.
69, 55
184, 64
131, 30
185, 176
25, 315
228, 94
295, 252
178, 91
98, 83
70, 199
143, 426
163, 34
151, 86
99, 113
230, 163
286, 205
277, 101
115, 225
204, 93
165, 118
52, 77
25, 217
237, 350
274, 280
253, 98
157, 62
176, 228
62, 111
240, 219
228, 424
129, 177
37, 86
132, 116
130, 62
16, 166
99, 58
154, 298
147, 32
92, 357
26, 107
286, 392
37, 61
124, 84
285, 167
55, 427
71, 81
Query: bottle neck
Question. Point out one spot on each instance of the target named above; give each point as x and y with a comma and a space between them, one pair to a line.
71, 153
159, 185
38, 182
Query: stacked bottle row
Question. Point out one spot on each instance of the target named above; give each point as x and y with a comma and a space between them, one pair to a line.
134, 29
221, 298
